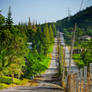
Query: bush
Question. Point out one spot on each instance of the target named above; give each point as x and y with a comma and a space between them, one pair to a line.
36, 64
5, 79
78, 60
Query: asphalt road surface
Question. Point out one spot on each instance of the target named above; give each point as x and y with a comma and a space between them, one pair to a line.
48, 82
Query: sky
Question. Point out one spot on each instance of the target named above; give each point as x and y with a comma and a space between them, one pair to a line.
41, 10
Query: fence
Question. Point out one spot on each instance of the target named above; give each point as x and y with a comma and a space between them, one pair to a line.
80, 81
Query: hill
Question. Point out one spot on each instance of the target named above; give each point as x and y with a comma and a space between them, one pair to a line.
84, 25
82, 18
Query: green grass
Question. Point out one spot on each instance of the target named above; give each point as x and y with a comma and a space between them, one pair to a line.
3, 85
47, 60
6, 81
77, 59
50, 48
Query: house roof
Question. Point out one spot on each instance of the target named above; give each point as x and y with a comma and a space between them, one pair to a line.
85, 37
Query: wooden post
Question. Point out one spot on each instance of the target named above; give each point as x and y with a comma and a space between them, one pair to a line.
81, 80
85, 78
77, 81
72, 83
69, 83
90, 78
72, 45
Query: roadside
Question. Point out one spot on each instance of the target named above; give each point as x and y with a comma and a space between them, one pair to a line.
74, 67
47, 82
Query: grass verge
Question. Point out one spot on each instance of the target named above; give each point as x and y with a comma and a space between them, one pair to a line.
77, 59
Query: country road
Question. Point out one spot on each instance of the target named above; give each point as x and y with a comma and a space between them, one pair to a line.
48, 82
74, 68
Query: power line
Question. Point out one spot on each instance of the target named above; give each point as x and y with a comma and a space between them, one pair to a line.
81, 5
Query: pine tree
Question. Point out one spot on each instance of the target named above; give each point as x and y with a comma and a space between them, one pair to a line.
34, 27
9, 20
51, 34
39, 40
46, 38
54, 29
29, 24
2, 20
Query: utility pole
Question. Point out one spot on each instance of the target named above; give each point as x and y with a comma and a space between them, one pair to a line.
72, 45
69, 14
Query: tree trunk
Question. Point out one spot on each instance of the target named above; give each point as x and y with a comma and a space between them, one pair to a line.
12, 76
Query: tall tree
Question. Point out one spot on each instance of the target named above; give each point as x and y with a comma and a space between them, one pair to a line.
9, 20
2, 20
54, 29
39, 40
29, 23
46, 39
51, 34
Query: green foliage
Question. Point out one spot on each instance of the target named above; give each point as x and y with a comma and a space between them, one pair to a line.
2, 20
2, 85
82, 18
78, 60
36, 64
68, 35
86, 54
16, 59
9, 21
46, 39
84, 25
7, 80
85, 57
51, 48
51, 34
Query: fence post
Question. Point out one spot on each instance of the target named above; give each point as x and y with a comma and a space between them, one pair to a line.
69, 83
81, 80
85, 79
90, 87
72, 82
77, 82
88, 79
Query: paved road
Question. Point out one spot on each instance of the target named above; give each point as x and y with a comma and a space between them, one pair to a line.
74, 68
48, 82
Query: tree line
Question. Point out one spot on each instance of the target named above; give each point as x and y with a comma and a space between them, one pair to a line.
16, 58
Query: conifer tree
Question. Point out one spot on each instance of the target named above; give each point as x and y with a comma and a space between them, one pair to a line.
2, 20
34, 26
46, 38
29, 24
54, 29
39, 40
9, 21
51, 34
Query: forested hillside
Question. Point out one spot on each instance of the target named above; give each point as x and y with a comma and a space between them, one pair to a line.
82, 18
84, 25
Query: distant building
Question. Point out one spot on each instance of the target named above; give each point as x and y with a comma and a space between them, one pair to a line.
85, 37
29, 45
76, 51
